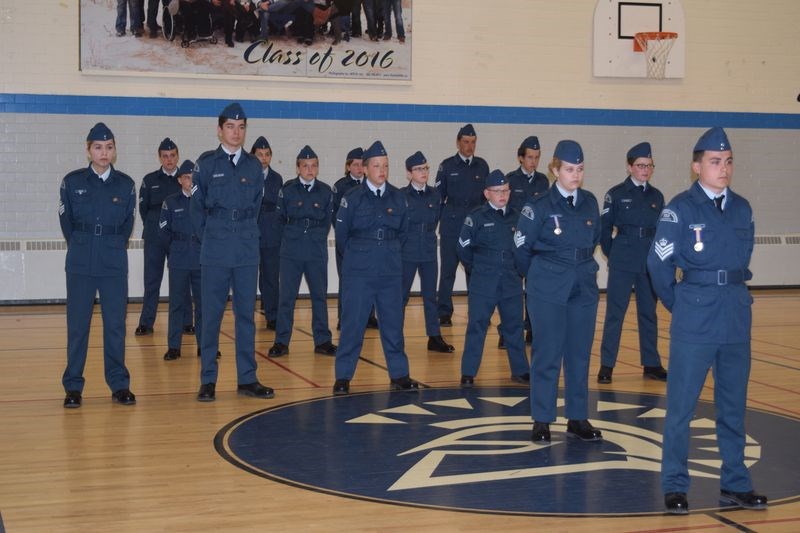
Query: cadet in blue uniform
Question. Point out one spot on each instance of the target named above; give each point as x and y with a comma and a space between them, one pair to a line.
486, 247
460, 182
226, 199
632, 207
419, 249
271, 231
97, 209
371, 226
353, 176
707, 232
305, 208
176, 230
555, 241
526, 185
155, 187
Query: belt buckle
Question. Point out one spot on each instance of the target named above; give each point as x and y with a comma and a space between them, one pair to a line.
379, 234
642, 233
234, 214
722, 277
98, 229
306, 223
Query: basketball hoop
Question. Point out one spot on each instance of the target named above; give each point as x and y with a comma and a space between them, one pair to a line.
656, 46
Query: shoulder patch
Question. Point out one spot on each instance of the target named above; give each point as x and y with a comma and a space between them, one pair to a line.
607, 198
194, 189
468, 221
663, 248
280, 193
343, 203
668, 215
464, 243
333, 188
527, 212
605, 211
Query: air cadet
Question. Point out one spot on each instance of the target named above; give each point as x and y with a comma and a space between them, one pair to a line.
632, 207
486, 248
226, 199
555, 242
155, 187
176, 230
371, 225
460, 182
419, 249
526, 184
271, 231
305, 208
353, 176
97, 210
707, 232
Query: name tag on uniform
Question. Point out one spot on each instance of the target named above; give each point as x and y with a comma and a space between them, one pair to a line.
115, 199
179, 210
626, 200
156, 187
221, 175
454, 173
488, 224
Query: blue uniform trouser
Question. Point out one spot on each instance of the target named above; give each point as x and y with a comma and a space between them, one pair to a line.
447, 273
268, 275
361, 293
481, 309
427, 285
215, 283
688, 368
561, 332
316, 274
339, 259
183, 281
155, 254
618, 297
81, 290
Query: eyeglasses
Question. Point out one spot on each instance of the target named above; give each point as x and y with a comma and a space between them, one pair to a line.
644, 166
421, 169
500, 191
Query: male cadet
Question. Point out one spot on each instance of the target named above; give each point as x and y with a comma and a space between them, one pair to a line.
271, 230
526, 185
419, 249
632, 207
96, 213
177, 232
155, 187
353, 176
460, 181
305, 208
371, 225
226, 198
486, 248
707, 232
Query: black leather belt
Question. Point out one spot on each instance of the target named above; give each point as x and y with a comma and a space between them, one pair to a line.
422, 226
636, 231
98, 229
376, 234
577, 254
714, 277
232, 214
178, 236
268, 207
306, 222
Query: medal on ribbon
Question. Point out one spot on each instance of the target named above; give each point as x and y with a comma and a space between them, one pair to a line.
698, 236
555, 218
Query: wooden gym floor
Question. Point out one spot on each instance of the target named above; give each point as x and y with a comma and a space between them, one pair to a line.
153, 467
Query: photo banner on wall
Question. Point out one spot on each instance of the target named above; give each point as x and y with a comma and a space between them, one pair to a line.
339, 39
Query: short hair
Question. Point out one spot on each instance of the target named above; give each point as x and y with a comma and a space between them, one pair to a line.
697, 155
222, 120
522, 149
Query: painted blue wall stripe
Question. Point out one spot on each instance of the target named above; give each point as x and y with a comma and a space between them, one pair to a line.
273, 109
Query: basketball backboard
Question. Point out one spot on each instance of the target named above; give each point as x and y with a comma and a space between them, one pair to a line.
616, 22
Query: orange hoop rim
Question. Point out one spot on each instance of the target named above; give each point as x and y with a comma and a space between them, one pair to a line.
644, 36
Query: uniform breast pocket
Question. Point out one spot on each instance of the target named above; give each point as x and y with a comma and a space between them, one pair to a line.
701, 245
82, 206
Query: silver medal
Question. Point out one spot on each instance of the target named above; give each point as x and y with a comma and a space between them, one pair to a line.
698, 247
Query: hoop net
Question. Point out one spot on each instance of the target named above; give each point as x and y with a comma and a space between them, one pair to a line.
656, 46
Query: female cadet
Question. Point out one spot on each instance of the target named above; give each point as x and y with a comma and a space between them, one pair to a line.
555, 241
96, 214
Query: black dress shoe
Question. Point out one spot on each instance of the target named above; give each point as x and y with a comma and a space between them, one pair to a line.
604, 375
143, 330
404, 383
676, 503
747, 500
528, 337
272, 324
583, 430
172, 354
73, 399
467, 382
326, 348
541, 432
207, 392
525, 378
219, 354
501, 343
339, 325
655, 372
372, 323
255, 390
437, 344
123, 397
188, 329
278, 350
445, 320
341, 387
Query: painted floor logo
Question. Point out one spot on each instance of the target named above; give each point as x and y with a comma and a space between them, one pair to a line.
470, 450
